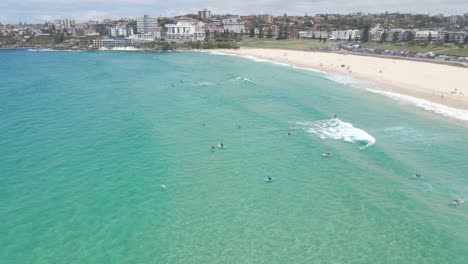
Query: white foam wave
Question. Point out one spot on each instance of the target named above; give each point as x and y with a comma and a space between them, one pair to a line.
308, 69
339, 130
348, 80
426, 105
240, 78
119, 49
51, 50
253, 58
205, 84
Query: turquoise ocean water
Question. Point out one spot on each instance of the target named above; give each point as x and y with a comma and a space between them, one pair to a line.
87, 139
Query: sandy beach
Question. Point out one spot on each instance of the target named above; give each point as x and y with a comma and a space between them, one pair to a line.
439, 83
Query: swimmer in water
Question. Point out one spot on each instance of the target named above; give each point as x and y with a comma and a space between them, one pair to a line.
221, 145
326, 154
203, 124
164, 186
417, 175
289, 134
212, 148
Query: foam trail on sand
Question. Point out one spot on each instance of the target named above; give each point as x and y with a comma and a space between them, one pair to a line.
253, 58
440, 109
426, 105
339, 130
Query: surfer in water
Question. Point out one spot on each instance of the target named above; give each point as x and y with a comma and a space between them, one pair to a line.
269, 179
221, 145
212, 148
335, 116
416, 175
290, 134
458, 201
163, 186
326, 154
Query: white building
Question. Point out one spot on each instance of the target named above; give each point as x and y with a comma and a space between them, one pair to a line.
345, 34
266, 17
112, 43
64, 23
204, 14
375, 33
424, 35
146, 37
236, 27
183, 31
394, 34
121, 31
147, 24
313, 34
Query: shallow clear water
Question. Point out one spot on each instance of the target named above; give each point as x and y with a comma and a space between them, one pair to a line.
86, 139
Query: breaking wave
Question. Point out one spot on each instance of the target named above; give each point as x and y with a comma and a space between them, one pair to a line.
253, 58
426, 105
338, 130
205, 84
240, 78
51, 50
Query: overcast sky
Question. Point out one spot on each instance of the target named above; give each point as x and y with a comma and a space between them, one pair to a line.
13, 11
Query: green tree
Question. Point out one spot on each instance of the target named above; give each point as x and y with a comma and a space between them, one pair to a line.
260, 33
58, 38
133, 25
163, 21
308, 24
286, 32
280, 33
447, 38
383, 37
252, 32
395, 37
270, 32
410, 36
365, 33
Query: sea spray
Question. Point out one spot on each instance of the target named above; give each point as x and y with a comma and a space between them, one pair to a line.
339, 130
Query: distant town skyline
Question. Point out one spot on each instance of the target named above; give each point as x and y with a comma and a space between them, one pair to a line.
38, 11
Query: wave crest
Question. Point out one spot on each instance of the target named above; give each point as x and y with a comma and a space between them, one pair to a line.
338, 130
